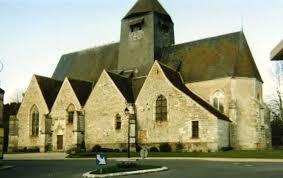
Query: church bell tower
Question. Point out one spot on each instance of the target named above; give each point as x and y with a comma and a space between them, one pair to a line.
145, 31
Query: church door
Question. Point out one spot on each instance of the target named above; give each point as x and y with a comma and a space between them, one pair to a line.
59, 142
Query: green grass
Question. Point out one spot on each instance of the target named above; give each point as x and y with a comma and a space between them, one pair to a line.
115, 169
266, 154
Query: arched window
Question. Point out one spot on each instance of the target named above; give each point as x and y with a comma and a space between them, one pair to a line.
118, 122
71, 113
218, 101
161, 108
34, 121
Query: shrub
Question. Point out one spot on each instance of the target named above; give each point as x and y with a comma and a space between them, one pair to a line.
96, 148
73, 151
179, 146
29, 150
124, 150
226, 149
127, 165
165, 147
107, 150
116, 150
153, 149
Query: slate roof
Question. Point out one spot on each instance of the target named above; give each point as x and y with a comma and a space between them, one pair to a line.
222, 56
87, 64
49, 89
137, 84
175, 78
82, 89
124, 85
207, 59
145, 6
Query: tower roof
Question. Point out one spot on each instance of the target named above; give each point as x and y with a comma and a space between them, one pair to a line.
144, 6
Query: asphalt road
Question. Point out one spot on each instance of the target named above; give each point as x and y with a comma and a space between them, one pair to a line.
178, 169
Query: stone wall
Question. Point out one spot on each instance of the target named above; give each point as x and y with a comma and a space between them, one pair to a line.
33, 96
245, 107
223, 134
60, 126
104, 103
182, 110
1, 124
13, 133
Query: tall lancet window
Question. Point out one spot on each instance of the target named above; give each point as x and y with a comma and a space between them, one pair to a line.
70, 113
218, 101
34, 121
118, 122
161, 108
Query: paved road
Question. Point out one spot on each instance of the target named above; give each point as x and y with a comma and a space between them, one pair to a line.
178, 169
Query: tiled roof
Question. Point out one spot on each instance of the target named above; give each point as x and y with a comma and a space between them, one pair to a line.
82, 89
124, 85
87, 64
49, 88
222, 56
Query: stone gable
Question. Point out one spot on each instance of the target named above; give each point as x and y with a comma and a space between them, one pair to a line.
59, 115
33, 96
104, 103
182, 110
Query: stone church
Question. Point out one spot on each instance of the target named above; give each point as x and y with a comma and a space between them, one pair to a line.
205, 95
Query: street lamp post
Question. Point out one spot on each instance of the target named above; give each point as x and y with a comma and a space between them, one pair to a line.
127, 113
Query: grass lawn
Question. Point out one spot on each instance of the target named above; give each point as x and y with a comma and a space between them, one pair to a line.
115, 169
267, 154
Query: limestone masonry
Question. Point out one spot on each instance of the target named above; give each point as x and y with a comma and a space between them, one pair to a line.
204, 95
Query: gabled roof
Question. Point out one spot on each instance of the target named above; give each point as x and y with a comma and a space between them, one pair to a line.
49, 89
222, 56
82, 89
144, 6
2, 91
124, 85
137, 84
175, 78
277, 53
87, 64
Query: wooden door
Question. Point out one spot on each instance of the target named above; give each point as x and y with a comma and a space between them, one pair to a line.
59, 142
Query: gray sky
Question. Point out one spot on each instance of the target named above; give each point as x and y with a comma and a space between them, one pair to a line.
35, 33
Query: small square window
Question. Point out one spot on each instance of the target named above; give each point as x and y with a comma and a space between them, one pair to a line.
136, 27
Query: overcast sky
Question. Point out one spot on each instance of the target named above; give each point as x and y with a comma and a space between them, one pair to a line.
35, 33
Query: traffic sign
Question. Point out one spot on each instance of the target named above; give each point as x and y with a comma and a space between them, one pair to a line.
143, 153
101, 159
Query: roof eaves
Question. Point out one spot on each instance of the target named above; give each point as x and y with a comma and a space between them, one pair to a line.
181, 86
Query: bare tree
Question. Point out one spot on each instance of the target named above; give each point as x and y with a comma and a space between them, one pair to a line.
17, 96
275, 102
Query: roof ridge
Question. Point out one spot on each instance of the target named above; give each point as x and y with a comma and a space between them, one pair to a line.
204, 39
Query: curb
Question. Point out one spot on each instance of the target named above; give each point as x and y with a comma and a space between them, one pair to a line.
88, 175
5, 167
213, 159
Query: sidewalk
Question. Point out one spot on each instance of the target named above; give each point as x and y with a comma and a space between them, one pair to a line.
35, 156
62, 156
